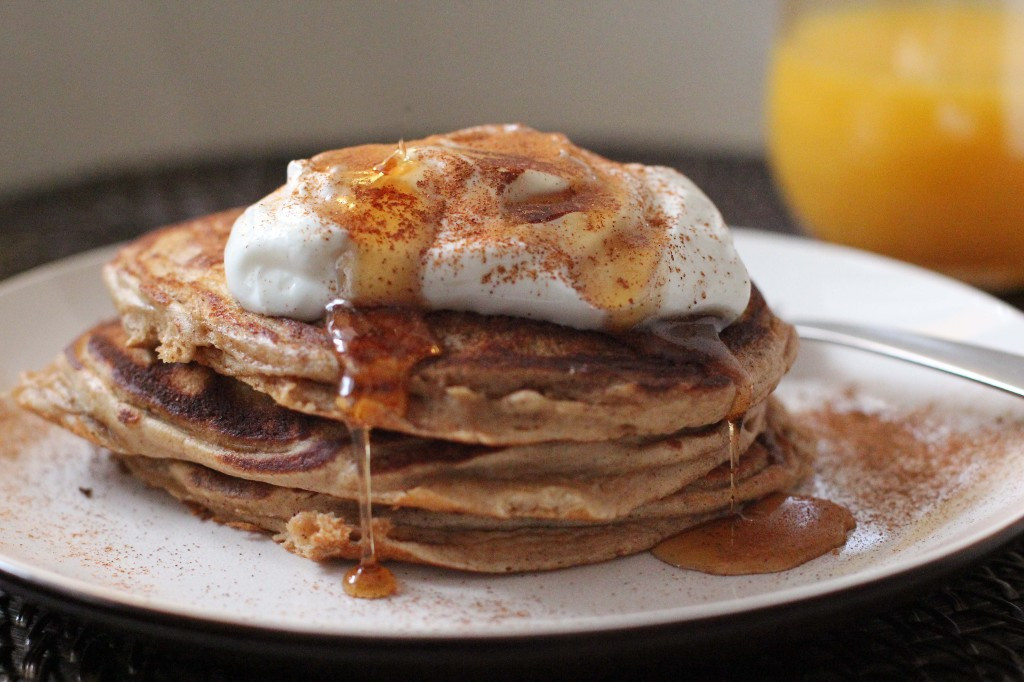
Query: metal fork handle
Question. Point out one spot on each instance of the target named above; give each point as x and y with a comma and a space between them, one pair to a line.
995, 368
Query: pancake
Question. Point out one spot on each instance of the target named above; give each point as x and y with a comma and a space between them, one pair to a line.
128, 401
320, 527
498, 380
498, 443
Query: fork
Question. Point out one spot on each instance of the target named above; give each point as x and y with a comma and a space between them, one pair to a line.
995, 368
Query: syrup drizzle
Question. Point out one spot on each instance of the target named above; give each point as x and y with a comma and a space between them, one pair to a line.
698, 342
775, 533
735, 425
368, 579
570, 213
377, 349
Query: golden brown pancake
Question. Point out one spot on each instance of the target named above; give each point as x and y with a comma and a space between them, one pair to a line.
126, 400
321, 527
498, 380
471, 507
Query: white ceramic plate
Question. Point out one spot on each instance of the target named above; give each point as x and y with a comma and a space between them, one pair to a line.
126, 547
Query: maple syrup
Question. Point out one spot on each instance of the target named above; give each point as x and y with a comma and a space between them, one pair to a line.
564, 213
775, 533
376, 350
370, 580
698, 342
735, 426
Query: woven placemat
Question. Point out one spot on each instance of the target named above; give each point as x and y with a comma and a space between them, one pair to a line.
969, 627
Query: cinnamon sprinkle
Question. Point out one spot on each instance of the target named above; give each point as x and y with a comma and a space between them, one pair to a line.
894, 467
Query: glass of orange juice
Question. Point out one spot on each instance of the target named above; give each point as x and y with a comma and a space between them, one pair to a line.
898, 126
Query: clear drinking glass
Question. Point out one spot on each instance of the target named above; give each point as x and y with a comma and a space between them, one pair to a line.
898, 126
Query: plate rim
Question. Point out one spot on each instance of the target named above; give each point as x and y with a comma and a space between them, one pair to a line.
691, 634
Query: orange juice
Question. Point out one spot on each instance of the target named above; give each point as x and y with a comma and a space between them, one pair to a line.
899, 127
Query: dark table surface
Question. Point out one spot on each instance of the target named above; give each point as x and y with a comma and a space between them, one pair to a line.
965, 625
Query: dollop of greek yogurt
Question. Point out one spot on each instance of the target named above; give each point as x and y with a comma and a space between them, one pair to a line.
496, 220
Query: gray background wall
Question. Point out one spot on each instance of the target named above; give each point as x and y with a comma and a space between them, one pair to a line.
103, 84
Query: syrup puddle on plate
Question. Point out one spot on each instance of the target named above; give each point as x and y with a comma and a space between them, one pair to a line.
775, 533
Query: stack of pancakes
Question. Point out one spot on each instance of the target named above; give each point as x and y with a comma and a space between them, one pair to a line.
525, 445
